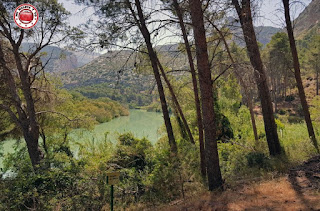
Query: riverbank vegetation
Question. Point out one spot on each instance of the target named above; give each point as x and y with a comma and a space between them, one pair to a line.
134, 97
149, 174
232, 111
78, 180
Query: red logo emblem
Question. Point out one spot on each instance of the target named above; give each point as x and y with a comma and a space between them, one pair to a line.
26, 16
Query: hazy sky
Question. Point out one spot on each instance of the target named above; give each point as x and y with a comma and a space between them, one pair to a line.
270, 12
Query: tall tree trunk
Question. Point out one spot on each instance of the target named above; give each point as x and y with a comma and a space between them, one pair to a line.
195, 88
297, 75
250, 105
26, 115
32, 140
245, 17
285, 85
181, 126
30, 125
253, 121
276, 91
176, 102
153, 58
209, 120
317, 82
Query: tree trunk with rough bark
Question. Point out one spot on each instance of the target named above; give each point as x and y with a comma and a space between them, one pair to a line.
195, 88
176, 102
209, 120
253, 121
153, 58
30, 126
32, 139
317, 82
297, 75
244, 13
25, 118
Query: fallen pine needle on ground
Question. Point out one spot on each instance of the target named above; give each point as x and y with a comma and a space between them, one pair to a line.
299, 190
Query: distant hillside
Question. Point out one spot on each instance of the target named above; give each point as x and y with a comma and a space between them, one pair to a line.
59, 60
111, 75
113, 67
264, 33
118, 67
114, 75
308, 20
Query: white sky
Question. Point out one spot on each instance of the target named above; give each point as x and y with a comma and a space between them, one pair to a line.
270, 12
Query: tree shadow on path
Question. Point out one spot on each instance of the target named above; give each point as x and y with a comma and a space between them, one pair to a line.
305, 180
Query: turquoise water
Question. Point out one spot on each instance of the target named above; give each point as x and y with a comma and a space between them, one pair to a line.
141, 123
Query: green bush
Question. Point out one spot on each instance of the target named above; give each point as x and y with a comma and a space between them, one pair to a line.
261, 135
258, 159
289, 98
150, 174
60, 185
295, 119
300, 110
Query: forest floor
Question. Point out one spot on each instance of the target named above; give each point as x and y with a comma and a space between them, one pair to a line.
298, 190
292, 107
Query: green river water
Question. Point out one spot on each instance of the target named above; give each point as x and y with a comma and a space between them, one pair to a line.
141, 123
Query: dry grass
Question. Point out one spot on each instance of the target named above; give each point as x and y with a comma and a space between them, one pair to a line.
277, 194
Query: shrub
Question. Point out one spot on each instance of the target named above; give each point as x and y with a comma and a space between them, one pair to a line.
295, 119
282, 112
261, 135
289, 98
258, 159
300, 110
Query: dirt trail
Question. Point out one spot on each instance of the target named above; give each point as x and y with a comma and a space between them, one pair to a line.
300, 190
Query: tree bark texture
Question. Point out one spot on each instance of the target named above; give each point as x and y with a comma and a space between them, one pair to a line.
195, 87
26, 116
176, 102
212, 158
297, 75
153, 58
244, 13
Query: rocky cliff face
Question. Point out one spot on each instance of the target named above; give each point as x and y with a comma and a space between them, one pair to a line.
58, 59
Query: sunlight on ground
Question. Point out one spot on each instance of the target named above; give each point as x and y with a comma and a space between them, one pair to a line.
278, 194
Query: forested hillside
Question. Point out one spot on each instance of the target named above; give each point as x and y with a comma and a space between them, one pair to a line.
238, 122
123, 75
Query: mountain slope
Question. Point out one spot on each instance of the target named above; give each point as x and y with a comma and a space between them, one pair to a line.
59, 60
264, 33
119, 67
111, 75
124, 76
115, 75
113, 67
308, 20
